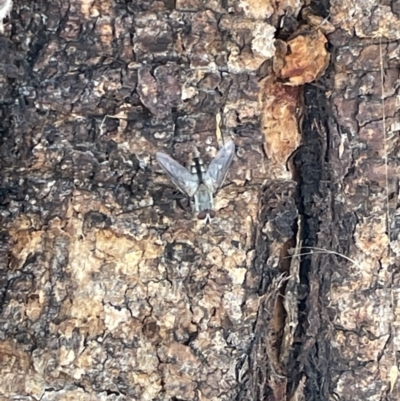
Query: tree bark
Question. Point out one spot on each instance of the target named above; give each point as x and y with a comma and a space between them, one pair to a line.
110, 289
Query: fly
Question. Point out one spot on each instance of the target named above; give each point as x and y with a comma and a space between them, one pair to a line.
5, 10
200, 184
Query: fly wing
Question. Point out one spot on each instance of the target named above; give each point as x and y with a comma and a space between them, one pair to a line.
179, 175
218, 168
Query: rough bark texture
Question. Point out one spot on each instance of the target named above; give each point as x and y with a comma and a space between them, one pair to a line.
111, 291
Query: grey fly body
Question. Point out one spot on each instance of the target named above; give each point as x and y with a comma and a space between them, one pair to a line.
200, 184
5, 10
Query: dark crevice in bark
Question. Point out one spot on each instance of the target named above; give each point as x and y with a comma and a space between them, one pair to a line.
311, 167
309, 356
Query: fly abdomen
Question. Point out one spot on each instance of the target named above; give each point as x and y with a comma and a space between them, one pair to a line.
198, 168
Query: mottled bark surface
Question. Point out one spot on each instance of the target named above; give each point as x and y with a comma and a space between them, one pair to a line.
110, 290
358, 210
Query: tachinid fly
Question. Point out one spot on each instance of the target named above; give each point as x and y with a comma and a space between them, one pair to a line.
200, 184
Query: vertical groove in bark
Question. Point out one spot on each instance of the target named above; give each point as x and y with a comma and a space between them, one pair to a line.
351, 299
314, 202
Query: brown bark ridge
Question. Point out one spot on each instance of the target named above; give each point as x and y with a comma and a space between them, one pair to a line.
111, 291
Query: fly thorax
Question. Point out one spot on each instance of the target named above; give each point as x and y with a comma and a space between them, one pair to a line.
203, 199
